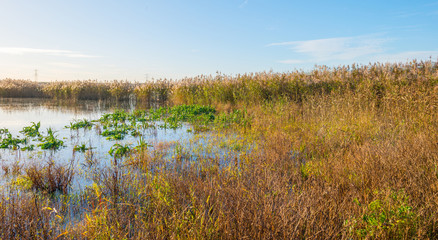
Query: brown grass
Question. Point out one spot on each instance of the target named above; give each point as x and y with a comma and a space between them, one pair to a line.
345, 153
20, 88
50, 177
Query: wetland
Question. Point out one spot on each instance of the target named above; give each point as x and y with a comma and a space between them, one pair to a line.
347, 153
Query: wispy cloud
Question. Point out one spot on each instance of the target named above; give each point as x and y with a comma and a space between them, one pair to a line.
243, 4
51, 52
362, 49
407, 56
333, 49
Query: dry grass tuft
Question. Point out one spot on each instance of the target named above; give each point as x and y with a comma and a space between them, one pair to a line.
50, 178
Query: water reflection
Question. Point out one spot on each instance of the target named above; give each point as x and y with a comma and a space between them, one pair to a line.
18, 113
167, 145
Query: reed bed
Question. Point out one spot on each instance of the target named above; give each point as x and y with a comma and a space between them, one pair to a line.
373, 80
67, 90
342, 153
21, 89
88, 90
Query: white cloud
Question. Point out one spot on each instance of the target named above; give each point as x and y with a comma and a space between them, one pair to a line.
51, 52
407, 56
346, 50
334, 49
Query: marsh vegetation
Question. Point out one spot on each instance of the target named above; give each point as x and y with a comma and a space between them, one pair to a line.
346, 153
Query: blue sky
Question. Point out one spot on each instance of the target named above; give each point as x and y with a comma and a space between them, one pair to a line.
135, 40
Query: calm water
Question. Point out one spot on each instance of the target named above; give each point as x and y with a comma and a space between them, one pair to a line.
15, 114
18, 113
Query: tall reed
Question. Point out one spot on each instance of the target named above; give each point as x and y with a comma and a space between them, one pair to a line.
341, 153
20, 88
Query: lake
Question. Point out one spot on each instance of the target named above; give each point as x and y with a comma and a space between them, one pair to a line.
88, 146
15, 114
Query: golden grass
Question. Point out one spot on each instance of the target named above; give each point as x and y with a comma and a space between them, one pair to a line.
67, 90
20, 88
344, 153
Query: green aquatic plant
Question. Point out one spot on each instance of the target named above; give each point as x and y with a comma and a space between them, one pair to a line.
173, 117
81, 148
33, 130
3, 131
141, 144
11, 142
118, 116
50, 141
80, 124
119, 150
116, 127
117, 133
28, 148
135, 132
138, 114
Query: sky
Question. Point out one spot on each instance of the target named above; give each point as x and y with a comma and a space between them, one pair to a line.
139, 40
